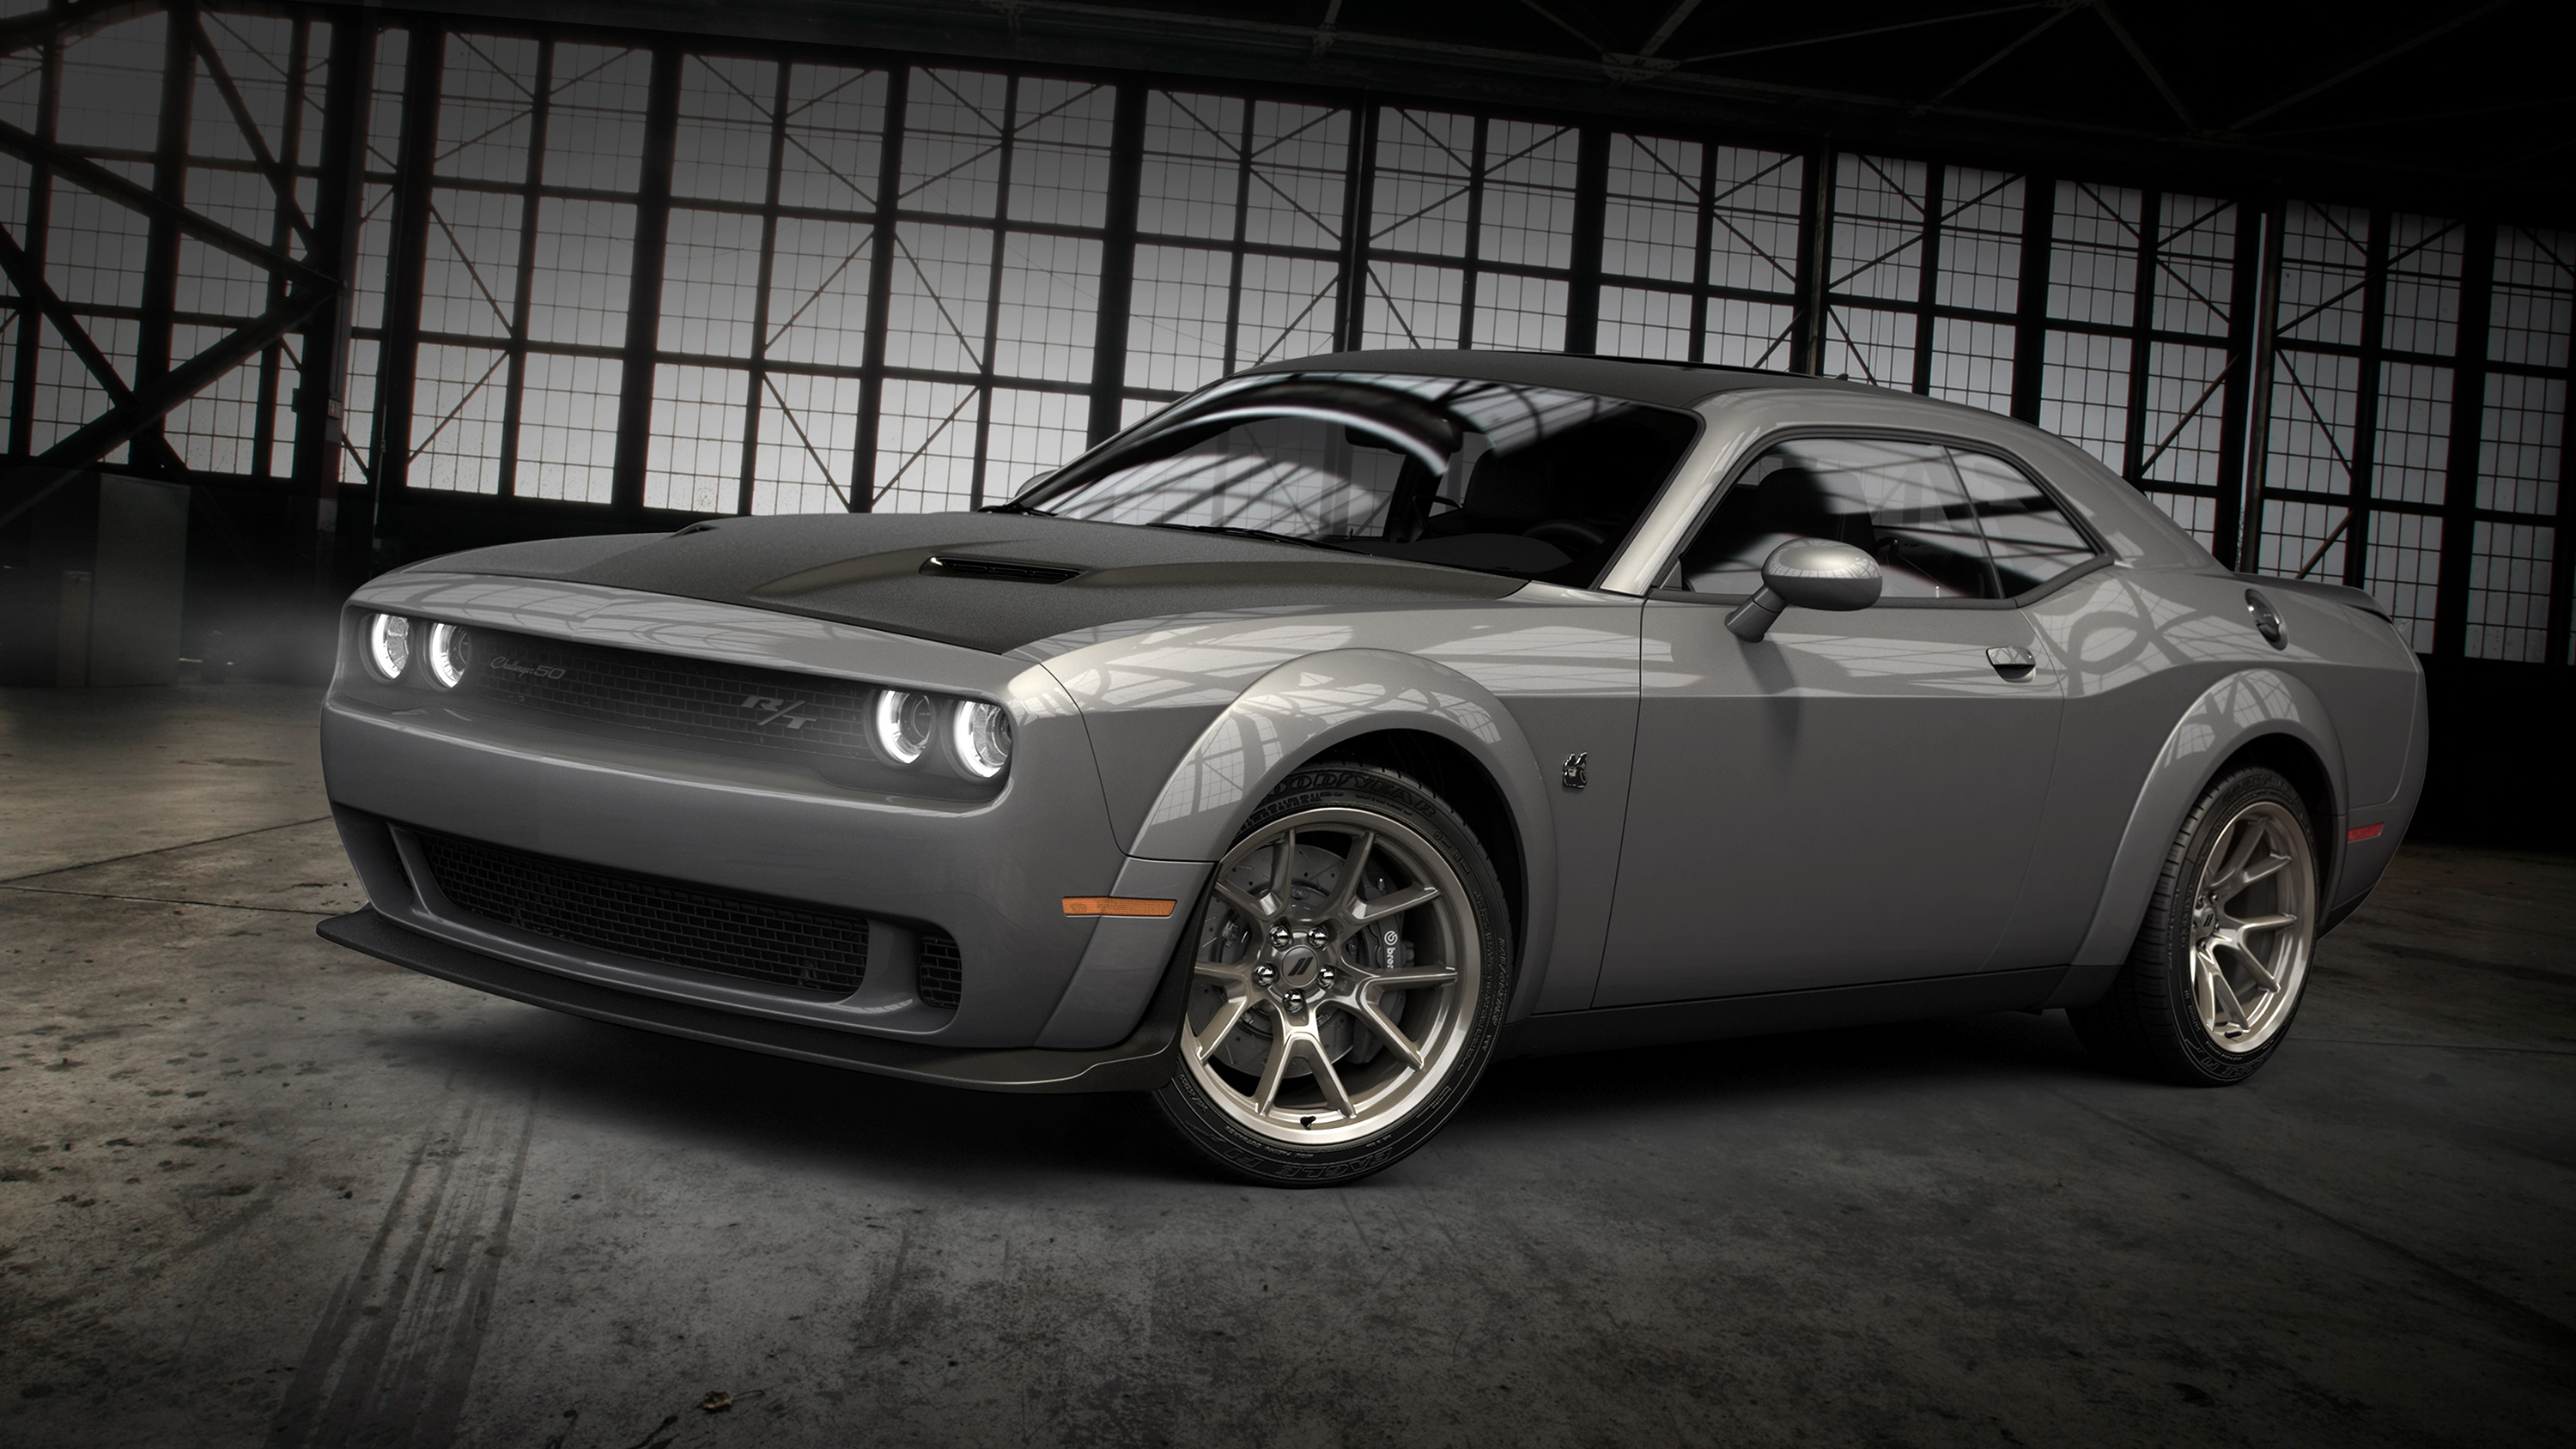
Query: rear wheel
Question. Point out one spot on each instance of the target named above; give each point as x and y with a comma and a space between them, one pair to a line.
1352, 961
2221, 960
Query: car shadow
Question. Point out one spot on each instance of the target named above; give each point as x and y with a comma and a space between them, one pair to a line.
803, 1118
794, 1116
1891, 1061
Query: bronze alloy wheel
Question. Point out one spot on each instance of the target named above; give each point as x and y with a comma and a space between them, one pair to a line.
2222, 958
1347, 981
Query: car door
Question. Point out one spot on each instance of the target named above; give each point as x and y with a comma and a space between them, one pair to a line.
1855, 797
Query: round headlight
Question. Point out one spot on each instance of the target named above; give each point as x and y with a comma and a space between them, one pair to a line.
902, 723
389, 644
450, 650
981, 736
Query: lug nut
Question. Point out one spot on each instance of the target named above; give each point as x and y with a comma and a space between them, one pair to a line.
1318, 936
1281, 936
1325, 974
1296, 1001
1265, 973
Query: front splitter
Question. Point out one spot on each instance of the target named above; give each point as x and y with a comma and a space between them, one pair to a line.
1144, 1061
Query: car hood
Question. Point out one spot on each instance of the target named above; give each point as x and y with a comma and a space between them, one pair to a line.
989, 581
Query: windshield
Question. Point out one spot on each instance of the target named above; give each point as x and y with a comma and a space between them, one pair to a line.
1532, 482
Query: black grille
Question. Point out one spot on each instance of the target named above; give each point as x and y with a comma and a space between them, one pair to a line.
668, 694
942, 972
638, 916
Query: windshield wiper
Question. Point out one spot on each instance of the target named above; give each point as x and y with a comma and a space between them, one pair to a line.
1265, 535
1015, 506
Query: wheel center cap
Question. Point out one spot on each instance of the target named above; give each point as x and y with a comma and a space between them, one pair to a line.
1298, 968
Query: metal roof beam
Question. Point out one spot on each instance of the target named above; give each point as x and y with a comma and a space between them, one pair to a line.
70, 22
2371, 62
2138, 53
1990, 62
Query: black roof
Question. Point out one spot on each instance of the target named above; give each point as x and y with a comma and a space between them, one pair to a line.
1665, 384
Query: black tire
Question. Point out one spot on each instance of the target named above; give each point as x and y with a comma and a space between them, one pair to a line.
1224, 1135
2150, 1022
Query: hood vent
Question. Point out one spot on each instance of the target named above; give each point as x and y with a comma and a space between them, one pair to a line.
999, 568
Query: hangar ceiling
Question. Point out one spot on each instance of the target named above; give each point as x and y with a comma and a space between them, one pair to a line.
2461, 104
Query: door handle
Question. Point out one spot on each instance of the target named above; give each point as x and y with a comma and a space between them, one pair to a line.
2012, 661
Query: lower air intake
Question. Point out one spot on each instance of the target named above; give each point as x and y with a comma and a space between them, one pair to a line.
942, 972
633, 915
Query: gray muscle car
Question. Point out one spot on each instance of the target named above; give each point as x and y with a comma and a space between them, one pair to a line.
1358, 720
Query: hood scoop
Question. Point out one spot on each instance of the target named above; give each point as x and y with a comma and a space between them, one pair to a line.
1014, 570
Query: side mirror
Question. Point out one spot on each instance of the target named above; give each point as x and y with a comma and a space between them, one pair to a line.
1811, 573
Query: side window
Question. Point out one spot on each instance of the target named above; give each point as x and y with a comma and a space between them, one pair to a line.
1901, 503
1942, 523
2027, 534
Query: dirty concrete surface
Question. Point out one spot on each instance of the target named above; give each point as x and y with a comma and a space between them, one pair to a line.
255, 1189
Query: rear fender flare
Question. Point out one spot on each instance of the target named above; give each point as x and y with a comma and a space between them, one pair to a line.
2239, 708
1303, 708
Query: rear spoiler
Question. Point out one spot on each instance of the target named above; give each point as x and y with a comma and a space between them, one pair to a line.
2331, 593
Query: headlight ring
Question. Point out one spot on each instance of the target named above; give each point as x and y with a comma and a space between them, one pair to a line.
979, 737
388, 645
901, 725
450, 650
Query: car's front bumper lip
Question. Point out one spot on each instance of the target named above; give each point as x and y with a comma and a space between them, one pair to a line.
1143, 1061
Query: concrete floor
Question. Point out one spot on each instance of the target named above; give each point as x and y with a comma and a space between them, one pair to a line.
254, 1188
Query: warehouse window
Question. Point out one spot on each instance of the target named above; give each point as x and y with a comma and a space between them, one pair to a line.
992, 313
525, 267
1699, 252
1239, 233
2138, 325
765, 278
92, 249
2521, 447
1471, 232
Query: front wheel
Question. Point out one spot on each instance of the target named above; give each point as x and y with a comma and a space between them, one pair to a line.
1351, 964
2221, 960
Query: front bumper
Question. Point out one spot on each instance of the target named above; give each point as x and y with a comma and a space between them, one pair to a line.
989, 874
1142, 1062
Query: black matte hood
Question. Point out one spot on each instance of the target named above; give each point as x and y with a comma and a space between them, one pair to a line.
989, 581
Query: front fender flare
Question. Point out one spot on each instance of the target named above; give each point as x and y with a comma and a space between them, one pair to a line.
2241, 707
1306, 706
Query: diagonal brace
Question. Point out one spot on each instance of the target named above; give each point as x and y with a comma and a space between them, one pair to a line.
67, 459
280, 179
69, 22
81, 171
31, 284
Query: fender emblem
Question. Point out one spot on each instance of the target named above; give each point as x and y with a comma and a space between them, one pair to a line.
1577, 770
780, 711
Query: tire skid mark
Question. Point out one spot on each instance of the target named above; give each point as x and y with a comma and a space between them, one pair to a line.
393, 1356
160, 850
2536, 1323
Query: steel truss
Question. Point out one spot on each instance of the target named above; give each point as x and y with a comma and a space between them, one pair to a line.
300, 264
853, 311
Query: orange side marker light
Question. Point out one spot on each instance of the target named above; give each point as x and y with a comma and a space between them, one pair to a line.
2358, 832
1117, 906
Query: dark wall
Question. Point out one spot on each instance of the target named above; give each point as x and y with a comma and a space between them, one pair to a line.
2499, 773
